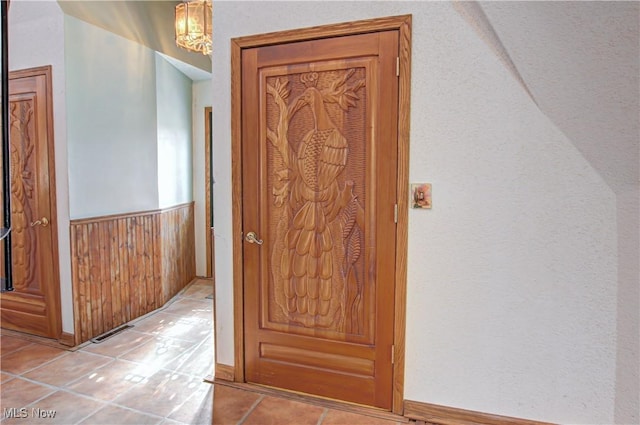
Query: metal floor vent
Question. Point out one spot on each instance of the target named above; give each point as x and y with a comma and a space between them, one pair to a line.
109, 334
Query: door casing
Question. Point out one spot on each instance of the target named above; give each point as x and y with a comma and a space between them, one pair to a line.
403, 25
208, 111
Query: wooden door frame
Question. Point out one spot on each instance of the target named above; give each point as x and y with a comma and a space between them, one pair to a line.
46, 71
402, 24
207, 188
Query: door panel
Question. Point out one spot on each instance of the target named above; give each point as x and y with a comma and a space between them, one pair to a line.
33, 306
319, 124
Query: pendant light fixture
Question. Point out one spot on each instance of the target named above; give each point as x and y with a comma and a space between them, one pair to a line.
193, 25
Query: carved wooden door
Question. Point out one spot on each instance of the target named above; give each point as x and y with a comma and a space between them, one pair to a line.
34, 305
319, 140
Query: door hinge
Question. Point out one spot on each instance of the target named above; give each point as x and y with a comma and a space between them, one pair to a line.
398, 66
395, 213
393, 354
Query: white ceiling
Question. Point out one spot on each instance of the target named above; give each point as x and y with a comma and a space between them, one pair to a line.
580, 61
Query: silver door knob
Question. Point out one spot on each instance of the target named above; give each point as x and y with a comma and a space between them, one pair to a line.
44, 222
253, 238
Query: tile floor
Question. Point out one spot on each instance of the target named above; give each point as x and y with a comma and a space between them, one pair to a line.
151, 373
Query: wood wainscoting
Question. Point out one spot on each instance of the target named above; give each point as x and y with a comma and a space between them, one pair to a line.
177, 247
125, 266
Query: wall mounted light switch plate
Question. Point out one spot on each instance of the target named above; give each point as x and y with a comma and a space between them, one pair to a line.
420, 195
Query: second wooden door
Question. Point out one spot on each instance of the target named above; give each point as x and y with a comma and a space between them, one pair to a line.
34, 305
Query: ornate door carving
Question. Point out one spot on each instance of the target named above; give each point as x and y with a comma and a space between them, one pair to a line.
319, 188
34, 305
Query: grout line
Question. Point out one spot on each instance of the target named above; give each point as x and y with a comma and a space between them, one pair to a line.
9, 373
45, 363
93, 412
87, 396
73, 381
105, 403
91, 353
50, 387
191, 375
324, 414
192, 395
188, 315
43, 384
165, 336
190, 351
144, 382
119, 354
191, 315
59, 389
194, 346
314, 401
133, 363
121, 406
141, 363
127, 351
113, 402
251, 409
17, 349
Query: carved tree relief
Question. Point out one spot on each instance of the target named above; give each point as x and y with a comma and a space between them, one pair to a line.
22, 190
316, 259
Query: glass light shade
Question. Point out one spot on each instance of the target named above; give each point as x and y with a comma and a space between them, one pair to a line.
193, 25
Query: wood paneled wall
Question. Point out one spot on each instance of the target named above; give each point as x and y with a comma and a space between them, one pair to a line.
177, 248
125, 266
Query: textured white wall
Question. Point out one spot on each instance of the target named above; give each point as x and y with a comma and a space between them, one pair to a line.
112, 126
628, 342
173, 96
514, 278
513, 273
201, 98
37, 39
